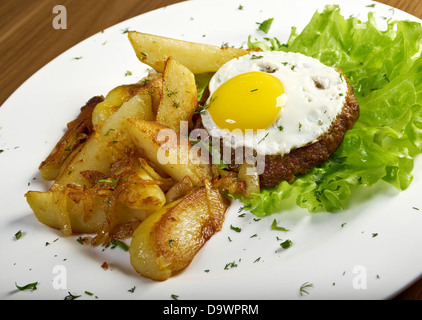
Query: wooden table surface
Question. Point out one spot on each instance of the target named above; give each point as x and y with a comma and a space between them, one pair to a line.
29, 41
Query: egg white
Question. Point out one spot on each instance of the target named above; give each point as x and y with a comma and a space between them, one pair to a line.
314, 96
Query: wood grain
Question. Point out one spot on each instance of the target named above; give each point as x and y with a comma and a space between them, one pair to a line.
28, 41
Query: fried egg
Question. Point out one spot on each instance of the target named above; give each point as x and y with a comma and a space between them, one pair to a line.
273, 102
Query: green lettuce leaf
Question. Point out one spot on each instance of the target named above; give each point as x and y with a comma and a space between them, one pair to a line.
385, 69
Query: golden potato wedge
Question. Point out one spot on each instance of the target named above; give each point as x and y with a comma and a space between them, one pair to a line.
92, 116
179, 97
55, 207
108, 144
77, 132
76, 209
142, 192
49, 209
112, 102
154, 51
179, 190
167, 241
169, 151
153, 85
58, 211
166, 182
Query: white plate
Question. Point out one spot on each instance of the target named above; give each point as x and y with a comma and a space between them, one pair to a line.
337, 253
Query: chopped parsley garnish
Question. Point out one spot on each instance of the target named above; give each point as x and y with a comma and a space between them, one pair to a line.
263, 138
274, 226
230, 265
108, 131
286, 244
265, 25
171, 92
113, 182
176, 104
18, 235
304, 288
30, 286
201, 109
117, 243
244, 207
235, 228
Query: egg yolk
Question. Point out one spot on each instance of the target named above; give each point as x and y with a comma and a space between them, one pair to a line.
247, 101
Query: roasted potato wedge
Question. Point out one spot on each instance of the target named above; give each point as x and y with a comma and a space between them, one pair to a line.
166, 182
142, 192
179, 96
102, 148
50, 209
153, 85
155, 50
76, 209
77, 132
112, 102
179, 190
167, 241
169, 150
56, 210
92, 116
108, 144
149, 85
